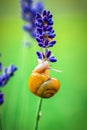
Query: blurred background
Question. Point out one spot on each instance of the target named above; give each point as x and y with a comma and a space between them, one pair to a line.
67, 110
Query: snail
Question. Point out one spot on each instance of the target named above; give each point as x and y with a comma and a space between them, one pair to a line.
40, 83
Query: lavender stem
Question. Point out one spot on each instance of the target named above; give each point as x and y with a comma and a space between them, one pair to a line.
38, 114
0, 122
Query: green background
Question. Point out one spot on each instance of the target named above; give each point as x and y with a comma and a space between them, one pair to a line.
67, 110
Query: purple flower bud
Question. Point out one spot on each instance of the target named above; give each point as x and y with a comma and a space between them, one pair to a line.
52, 59
39, 20
49, 28
46, 43
50, 23
14, 68
50, 16
41, 37
48, 12
44, 12
39, 55
3, 79
52, 31
38, 24
6, 73
11, 69
52, 35
38, 39
45, 19
51, 44
39, 30
44, 29
38, 15
48, 53
40, 44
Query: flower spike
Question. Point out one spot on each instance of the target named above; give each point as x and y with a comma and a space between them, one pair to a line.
45, 35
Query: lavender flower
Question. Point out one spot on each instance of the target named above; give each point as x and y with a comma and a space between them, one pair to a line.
28, 14
5, 76
45, 35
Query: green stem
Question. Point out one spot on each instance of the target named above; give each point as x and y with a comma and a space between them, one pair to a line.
38, 114
0, 122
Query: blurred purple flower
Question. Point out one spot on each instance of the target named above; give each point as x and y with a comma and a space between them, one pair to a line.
5, 76
45, 35
1, 98
0, 66
7, 73
28, 11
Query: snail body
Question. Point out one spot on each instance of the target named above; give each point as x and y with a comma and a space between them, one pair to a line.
41, 84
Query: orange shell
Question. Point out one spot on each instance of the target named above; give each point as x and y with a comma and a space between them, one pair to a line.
41, 84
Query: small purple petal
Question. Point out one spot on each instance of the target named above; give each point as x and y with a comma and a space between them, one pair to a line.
48, 53
44, 29
51, 44
46, 42
49, 28
48, 13
38, 24
45, 19
49, 20
44, 12
50, 16
39, 20
41, 37
4, 80
39, 30
40, 44
52, 59
39, 55
43, 55
38, 15
38, 39
50, 23
14, 68
52, 31
52, 35
6, 73
11, 70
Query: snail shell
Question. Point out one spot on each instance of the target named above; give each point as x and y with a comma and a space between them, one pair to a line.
41, 84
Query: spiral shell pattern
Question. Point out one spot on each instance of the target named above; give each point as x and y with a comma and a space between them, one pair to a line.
42, 85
